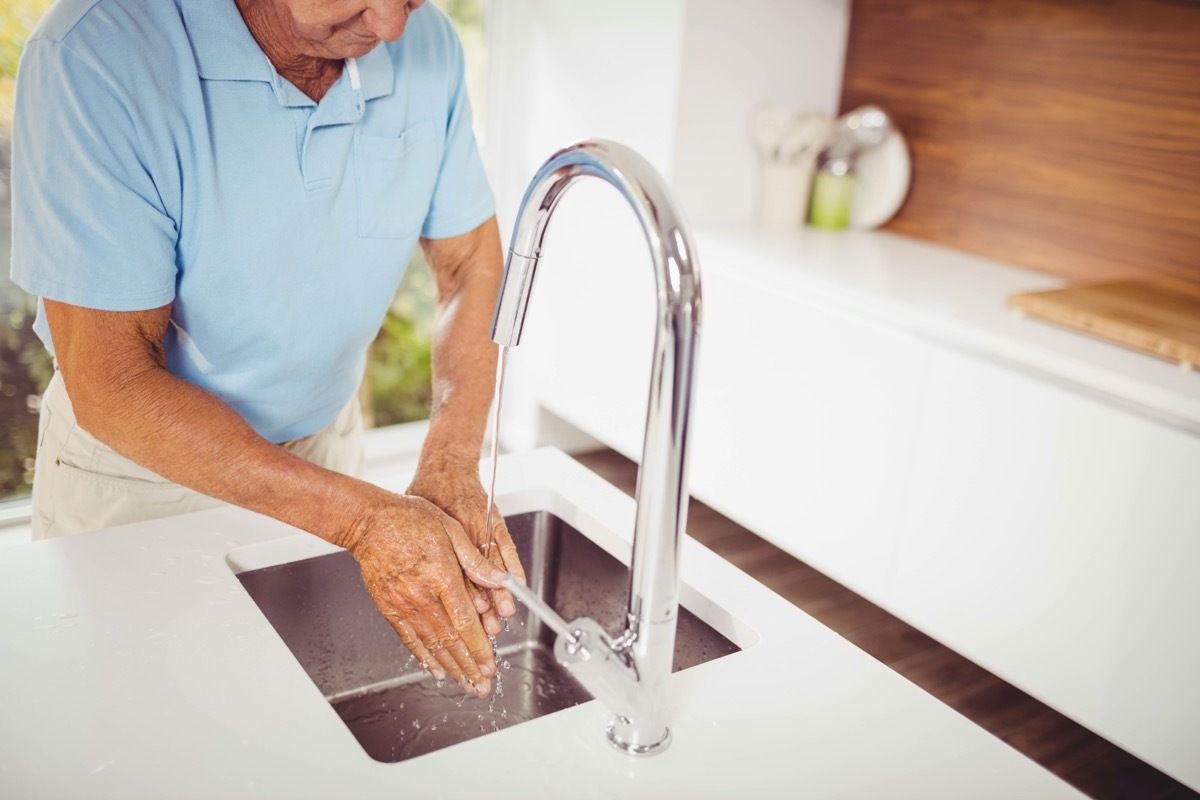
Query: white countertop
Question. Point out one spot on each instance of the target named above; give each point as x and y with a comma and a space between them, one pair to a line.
958, 300
133, 664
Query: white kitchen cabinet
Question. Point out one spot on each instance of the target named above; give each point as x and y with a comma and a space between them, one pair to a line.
777, 451
1052, 538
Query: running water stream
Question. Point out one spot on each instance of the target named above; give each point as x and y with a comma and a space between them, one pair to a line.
491, 497
529, 598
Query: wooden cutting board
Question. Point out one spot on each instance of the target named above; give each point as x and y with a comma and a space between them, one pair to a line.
1156, 317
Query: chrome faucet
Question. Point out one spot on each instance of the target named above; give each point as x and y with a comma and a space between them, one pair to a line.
628, 673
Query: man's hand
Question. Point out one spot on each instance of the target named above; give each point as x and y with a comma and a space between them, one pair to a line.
413, 558
457, 491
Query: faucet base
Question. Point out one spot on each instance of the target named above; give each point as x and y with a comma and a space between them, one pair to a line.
629, 748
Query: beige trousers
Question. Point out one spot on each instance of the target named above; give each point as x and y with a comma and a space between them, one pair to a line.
80, 484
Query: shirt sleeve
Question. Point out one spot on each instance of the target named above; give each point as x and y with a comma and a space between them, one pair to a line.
462, 199
89, 226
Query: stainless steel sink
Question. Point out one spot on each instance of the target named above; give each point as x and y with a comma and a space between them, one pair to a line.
394, 709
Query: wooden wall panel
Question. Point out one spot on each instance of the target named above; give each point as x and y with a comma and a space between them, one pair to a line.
1062, 135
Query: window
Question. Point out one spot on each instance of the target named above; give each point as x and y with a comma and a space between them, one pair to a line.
396, 386
24, 365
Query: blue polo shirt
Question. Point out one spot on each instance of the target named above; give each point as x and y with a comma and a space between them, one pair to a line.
159, 158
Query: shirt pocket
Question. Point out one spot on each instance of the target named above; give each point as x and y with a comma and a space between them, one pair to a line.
395, 177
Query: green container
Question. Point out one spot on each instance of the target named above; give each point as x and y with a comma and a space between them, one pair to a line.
831, 198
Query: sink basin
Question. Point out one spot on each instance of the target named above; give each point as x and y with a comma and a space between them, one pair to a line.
395, 710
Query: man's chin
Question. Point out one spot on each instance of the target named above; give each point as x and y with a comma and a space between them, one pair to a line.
357, 50
350, 46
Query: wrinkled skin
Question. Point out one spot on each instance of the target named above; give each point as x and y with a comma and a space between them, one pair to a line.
420, 568
306, 40
458, 492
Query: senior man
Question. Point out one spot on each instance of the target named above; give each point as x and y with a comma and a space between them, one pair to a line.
215, 201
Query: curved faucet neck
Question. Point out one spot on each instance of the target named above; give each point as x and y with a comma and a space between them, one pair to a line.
662, 476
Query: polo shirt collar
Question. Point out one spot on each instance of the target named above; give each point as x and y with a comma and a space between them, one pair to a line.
377, 72
225, 50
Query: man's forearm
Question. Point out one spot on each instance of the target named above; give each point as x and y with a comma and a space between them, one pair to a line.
192, 438
463, 354
114, 368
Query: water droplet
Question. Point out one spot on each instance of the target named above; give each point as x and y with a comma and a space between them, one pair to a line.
505, 664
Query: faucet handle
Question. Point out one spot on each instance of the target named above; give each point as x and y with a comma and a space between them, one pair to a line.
590, 655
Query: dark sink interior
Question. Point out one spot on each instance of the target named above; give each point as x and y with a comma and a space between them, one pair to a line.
324, 614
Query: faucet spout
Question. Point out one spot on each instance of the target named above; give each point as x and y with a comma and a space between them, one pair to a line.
631, 677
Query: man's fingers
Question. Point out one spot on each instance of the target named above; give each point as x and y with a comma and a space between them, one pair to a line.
442, 659
444, 626
483, 599
476, 567
508, 550
435, 628
502, 601
491, 622
483, 605
415, 646
460, 625
512, 561
477, 648
505, 552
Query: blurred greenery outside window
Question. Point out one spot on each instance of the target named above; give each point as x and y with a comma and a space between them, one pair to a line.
396, 385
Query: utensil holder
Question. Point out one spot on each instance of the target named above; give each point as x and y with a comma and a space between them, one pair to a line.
783, 192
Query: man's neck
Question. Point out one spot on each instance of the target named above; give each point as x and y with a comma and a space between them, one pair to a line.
269, 25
